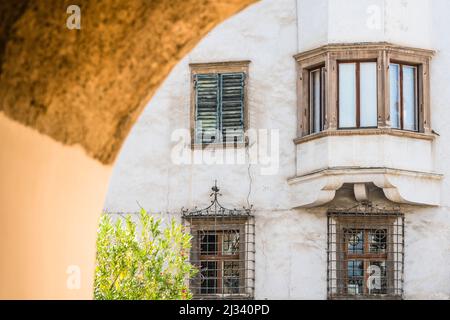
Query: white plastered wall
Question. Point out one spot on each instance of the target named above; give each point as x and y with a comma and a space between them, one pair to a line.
290, 244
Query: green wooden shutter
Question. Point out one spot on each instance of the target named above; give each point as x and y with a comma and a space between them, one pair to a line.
232, 106
206, 108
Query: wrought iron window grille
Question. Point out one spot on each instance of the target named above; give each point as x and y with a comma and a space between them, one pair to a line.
223, 250
365, 253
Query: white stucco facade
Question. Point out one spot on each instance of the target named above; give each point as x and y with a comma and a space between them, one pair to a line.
291, 241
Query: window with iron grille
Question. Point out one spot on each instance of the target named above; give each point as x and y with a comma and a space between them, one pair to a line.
222, 250
365, 255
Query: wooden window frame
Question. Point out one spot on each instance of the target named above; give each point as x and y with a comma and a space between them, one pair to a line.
366, 257
417, 94
394, 225
221, 225
218, 68
381, 52
311, 110
220, 258
357, 93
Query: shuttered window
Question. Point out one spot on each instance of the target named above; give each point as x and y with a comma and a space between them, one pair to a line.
219, 107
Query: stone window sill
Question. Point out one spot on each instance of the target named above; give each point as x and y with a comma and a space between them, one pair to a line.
362, 132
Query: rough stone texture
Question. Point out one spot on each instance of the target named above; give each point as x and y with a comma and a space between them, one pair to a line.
88, 86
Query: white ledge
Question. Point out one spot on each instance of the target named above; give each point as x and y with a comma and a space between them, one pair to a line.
401, 186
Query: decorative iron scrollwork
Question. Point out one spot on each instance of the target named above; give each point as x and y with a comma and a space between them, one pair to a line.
215, 209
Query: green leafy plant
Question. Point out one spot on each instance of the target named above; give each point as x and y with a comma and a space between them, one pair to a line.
151, 264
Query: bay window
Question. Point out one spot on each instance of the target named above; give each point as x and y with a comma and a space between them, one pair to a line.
363, 88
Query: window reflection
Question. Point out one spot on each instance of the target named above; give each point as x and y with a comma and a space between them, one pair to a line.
317, 99
208, 244
355, 241
403, 97
394, 78
409, 98
355, 270
231, 277
347, 95
358, 95
368, 113
230, 242
208, 277
377, 277
377, 241
366, 258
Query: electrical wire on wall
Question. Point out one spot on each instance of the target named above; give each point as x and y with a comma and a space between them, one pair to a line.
250, 180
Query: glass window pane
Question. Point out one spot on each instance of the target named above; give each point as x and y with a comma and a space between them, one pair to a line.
368, 83
347, 95
231, 277
355, 241
409, 98
355, 269
208, 243
377, 240
323, 98
316, 90
230, 242
208, 277
394, 79
377, 281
